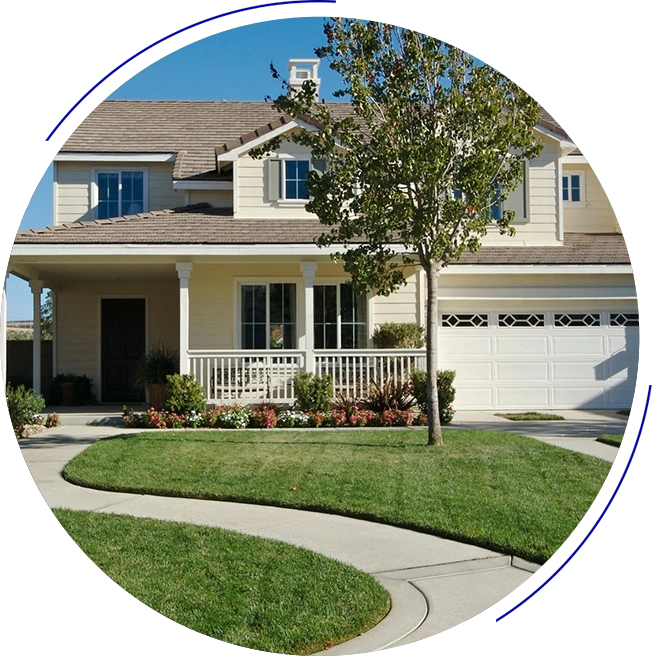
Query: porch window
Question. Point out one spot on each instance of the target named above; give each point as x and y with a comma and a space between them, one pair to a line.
340, 317
268, 316
119, 193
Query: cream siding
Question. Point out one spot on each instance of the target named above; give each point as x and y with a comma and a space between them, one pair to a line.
216, 198
541, 227
595, 213
74, 183
399, 307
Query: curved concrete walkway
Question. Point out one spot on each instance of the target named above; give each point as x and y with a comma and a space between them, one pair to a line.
434, 583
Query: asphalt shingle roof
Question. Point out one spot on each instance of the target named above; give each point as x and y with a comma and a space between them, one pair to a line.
203, 224
194, 130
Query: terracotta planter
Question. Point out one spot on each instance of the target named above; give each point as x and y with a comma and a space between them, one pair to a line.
156, 395
67, 391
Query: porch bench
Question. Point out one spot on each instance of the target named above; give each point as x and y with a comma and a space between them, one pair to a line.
241, 382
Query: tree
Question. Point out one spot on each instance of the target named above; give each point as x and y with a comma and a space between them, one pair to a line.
46, 316
417, 164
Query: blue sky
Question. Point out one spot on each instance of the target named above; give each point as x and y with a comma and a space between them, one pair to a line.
233, 65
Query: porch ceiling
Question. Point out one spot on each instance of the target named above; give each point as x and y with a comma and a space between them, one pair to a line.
93, 270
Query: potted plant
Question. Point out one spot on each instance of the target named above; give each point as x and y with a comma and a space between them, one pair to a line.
152, 371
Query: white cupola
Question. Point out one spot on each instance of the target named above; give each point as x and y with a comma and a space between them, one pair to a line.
302, 70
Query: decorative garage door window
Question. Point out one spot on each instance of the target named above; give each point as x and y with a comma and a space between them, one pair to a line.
576, 320
620, 319
465, 320
521, 320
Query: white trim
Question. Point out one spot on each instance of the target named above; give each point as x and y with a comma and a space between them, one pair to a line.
115, 157
235, 188
234, 153
560, 204
55, 332
98, 340
94, 194
564, 143
574, 159
150, 251
221, 185
55, 193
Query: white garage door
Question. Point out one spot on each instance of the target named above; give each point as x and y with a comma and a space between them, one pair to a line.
531, 360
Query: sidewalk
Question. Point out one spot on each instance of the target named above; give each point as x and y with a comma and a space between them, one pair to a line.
435, 583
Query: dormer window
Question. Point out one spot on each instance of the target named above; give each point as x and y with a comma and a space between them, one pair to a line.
296, 176
119, 192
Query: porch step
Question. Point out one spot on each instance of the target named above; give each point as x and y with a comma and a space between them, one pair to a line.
88, 415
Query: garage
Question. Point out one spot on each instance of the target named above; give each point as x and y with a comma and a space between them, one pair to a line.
524, 359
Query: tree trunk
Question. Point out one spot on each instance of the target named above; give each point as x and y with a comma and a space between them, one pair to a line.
432, 329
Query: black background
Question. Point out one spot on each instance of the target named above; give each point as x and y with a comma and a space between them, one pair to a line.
594, 76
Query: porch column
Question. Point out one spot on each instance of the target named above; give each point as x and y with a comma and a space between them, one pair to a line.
37, 287
184, 269
3, 333
309, 270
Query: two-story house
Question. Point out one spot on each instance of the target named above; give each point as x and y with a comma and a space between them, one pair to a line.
232, 277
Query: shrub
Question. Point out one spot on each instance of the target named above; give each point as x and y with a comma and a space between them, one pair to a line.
24, 406
398, 335
313, 392
52, 420
154, 368
264, 417
82, 390
445, 393
390, 395
184, 395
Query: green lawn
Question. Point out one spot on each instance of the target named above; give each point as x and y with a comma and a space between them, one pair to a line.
613, 440
248, 591
530, 416
498, 490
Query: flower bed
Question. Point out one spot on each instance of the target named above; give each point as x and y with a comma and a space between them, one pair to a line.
241, 417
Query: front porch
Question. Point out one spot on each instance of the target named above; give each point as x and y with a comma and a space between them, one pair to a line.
238, 376
243, 326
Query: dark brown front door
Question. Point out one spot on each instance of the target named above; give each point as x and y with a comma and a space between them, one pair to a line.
123, 344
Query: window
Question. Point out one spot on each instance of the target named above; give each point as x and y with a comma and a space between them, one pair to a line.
296, 176
268, 316
572, 187
516, 201
286, 178
623, 319
465, 320
119, 193
340, 317
576, 320
521, 320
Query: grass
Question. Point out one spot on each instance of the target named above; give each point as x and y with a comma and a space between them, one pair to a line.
530, 416
248, 591
612, 440
497, 490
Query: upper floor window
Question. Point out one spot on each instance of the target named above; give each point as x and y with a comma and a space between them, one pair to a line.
296, 176
572, 187
287, 178
119, 193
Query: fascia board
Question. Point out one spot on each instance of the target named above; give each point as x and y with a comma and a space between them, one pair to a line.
115, 157
222, 185
235, 153
564, 144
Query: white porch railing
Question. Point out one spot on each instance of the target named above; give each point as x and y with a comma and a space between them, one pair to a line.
239, 376
247, 376
353, 371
